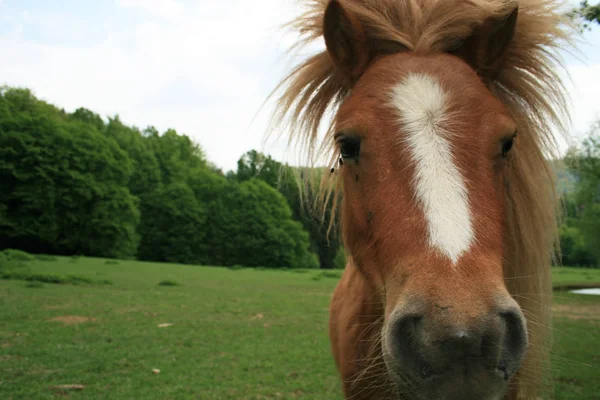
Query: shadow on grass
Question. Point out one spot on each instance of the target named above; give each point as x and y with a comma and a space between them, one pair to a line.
168, 283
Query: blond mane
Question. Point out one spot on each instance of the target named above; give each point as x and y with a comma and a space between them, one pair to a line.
529, 84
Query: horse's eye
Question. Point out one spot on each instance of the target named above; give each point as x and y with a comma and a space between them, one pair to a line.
349, 146
507, 145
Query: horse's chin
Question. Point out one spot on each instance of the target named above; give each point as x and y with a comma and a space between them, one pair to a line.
456, 383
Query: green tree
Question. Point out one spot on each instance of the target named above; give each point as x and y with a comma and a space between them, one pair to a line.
573, 249
146, 176
63, 185
340, 259
173, 227
71, 183
257, 165
284, 178
88, 117
176, 155
584, 162
251, 224
586, 14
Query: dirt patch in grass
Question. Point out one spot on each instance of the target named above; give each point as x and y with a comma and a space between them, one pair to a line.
591, 311
72, 319
56, 306
9, 357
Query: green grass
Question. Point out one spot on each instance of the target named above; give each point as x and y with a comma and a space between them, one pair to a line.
563, 277
576, 351
235, 334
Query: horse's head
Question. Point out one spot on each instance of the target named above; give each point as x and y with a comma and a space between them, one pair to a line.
424, 143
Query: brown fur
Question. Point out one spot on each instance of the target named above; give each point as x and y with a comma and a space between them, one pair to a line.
527, 86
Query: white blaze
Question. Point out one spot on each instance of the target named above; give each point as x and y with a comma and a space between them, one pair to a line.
439, 185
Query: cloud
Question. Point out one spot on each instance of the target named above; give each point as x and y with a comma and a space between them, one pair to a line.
203, 68
167, 9
584, 91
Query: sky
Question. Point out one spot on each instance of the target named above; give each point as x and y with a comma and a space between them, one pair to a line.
202, 67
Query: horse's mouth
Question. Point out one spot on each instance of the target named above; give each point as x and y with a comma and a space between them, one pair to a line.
454, 383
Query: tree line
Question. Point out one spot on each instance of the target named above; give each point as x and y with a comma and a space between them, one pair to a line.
71, 183
74, 184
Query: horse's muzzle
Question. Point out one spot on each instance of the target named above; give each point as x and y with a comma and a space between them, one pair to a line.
436, 352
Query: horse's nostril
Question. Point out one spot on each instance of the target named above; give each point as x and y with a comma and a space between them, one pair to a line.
502, 368
406, 341
407, 328
515, 336
426, 371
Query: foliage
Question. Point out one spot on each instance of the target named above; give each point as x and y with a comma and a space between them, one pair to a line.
257, 165
73, 184
146, 172
62, 183
340, 259
573, 249
584, 162
586, 14
171, 229
16, 255
13, 266
51, 278
283, 177
250, 216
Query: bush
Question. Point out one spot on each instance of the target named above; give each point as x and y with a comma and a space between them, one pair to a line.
327, 274
251, 224
573, 248
16, 255
51, 278
340, 259
332, 274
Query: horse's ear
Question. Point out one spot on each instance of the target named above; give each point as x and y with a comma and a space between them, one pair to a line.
486, 47
346, 41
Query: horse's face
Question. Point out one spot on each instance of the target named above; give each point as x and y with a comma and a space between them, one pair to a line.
424, 144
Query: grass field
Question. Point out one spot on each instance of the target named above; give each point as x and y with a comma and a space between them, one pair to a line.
235, 334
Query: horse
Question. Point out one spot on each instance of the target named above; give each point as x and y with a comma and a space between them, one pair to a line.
440, 119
